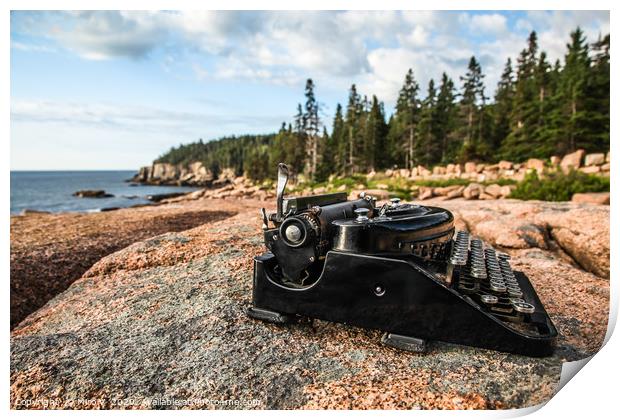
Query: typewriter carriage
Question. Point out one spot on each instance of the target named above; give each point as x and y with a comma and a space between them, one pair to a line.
399, 268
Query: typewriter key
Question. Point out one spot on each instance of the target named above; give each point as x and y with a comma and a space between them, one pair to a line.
514, 292
516, 300
489, 299
496, 287
524, 308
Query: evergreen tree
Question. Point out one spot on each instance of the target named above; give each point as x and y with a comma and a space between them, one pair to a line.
471, 115
541, 136
339, 142
403, 125
326, 164
445, 119
300, 121
427, 148
598, 95
571, 117
352, 124
374, 140
312, 128
525, 110
502, 108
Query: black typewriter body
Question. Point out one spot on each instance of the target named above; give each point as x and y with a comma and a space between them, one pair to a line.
400, 268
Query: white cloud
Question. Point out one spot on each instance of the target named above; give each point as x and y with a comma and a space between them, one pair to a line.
108, 34
335, 48
488, 23
132, 118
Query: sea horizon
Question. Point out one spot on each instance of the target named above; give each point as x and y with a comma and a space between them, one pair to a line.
52, 190
73, 170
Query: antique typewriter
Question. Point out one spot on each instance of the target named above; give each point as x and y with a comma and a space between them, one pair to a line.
400, 268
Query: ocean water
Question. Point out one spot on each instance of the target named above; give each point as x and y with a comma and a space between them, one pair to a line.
52, 190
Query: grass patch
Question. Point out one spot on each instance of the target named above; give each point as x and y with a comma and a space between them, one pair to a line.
558, 186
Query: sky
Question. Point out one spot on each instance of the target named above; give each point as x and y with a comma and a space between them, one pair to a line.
116, 89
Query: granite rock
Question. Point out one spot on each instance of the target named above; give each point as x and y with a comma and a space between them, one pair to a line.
163, 320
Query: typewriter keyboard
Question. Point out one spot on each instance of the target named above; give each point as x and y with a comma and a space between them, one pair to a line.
485, 276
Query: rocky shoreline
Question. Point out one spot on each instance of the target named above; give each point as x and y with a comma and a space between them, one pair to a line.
196, 174
162, 317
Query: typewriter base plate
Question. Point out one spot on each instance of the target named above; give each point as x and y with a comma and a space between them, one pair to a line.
398, 297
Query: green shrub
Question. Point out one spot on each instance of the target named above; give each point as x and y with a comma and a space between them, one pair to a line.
558, 186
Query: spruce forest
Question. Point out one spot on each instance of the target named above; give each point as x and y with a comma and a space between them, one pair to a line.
538, 109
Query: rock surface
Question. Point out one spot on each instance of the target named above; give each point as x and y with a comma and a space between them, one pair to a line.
92, 194
591, 198
163, 319
50, 251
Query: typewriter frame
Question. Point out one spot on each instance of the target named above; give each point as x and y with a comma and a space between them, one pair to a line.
397, 296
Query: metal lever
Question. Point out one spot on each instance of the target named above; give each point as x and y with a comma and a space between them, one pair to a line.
265, 219
281, 186
362, 214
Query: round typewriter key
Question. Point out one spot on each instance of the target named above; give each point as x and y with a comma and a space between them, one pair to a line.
498, 288
489, 299
514, 292
516, 300
524, 308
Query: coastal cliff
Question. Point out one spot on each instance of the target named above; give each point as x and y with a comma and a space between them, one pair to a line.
193, 174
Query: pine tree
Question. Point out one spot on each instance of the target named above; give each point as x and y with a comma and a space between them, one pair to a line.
339, 142
426, 147
352, 134
525, 110
312, 129
374, 139
502, 108
572, 128
300, 121
445, 119
326, 164
541, 137
471, 116
598, 94
403, 125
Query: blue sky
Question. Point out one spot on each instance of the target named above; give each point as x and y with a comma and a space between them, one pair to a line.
113, 90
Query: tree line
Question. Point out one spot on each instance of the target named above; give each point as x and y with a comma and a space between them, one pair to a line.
538, 109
